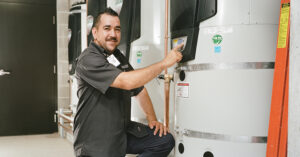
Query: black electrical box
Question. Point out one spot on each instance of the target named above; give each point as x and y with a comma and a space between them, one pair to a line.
186, 17
74, 37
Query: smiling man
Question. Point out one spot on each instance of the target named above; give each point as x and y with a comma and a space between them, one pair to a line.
106, 82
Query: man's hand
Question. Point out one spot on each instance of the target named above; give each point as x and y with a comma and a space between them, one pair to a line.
173, 57
159, 127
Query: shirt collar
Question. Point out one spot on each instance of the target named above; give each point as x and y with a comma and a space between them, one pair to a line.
100, 49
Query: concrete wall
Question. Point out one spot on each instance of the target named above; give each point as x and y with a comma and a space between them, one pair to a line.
62, 53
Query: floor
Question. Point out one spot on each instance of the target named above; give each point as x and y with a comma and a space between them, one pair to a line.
47, 145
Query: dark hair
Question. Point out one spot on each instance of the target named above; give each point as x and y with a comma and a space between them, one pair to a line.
108, 11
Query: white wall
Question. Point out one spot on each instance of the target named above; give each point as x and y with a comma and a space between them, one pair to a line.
294, 83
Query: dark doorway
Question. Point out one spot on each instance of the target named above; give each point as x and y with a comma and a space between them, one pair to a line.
28, 51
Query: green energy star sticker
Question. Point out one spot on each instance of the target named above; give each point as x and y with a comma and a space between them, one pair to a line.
139, 54
217, 39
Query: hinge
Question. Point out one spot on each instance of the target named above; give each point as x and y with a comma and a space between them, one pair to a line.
54, 20
54, 69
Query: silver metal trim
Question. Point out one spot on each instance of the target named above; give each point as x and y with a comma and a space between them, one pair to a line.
77, 11
144, 120
61, 113
140, 120
226, 66
222, 137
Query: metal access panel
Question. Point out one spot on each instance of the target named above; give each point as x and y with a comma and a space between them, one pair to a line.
223, 95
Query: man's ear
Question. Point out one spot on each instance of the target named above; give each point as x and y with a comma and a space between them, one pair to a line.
94, 32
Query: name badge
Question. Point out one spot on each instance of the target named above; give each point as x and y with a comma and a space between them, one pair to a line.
113, 60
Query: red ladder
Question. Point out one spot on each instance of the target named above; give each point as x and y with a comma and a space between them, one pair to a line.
278, 124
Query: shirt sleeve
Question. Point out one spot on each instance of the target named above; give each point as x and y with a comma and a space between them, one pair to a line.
135, 91
97, 71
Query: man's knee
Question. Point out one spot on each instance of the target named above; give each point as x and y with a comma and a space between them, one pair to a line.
169, 142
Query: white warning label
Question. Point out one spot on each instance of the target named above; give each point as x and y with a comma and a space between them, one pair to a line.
182, 90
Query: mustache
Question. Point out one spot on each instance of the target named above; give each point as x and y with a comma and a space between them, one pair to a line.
112, 39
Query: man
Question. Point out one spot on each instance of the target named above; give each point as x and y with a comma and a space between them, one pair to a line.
102, 126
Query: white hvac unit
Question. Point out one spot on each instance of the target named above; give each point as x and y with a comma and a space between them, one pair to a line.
224, 83
77, 43
147, 50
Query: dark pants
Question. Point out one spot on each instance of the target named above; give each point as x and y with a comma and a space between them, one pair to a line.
150, 145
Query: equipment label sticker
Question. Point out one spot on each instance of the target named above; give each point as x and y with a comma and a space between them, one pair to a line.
283, 26
139, 55
182, 90
217, 49
217, 40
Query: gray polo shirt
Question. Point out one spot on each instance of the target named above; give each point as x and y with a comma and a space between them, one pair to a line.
103, 114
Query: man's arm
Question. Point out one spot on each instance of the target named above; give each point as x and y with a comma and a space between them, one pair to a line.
134, 79
147, 107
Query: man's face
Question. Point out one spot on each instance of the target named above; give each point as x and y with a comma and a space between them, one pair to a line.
108, 33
